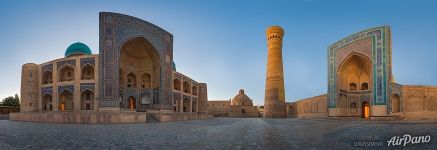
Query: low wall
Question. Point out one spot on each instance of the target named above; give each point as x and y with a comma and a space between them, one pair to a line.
419, 102
176, 116
421, 115
313, 107
8, 109
80, 117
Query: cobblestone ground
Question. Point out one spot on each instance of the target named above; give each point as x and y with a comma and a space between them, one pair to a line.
217, 133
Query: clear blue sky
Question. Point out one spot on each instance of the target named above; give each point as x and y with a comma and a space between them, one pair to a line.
223, 42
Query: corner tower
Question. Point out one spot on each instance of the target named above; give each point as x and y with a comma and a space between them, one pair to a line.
274, 103
29, 88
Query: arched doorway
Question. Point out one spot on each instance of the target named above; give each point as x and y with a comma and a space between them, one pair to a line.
365, 107
47, 102
140, 69
194, 90
66, 100
396, 103
354, 76
177, 84
355, 73
66, 74
186, 105
47, 77
186, 87
145, 80
194, 106
131, 80
87, 72
87, 100
132, 103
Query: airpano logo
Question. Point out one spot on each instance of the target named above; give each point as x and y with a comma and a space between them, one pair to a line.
408, 139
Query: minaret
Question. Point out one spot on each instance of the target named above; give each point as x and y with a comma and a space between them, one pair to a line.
274, 103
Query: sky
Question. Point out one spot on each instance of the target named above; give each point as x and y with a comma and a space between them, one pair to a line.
223, 43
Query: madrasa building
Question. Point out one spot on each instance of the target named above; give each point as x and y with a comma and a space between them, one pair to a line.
361, 84
239, 106
133, 73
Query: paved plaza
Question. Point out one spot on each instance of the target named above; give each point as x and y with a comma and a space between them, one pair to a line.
217, 133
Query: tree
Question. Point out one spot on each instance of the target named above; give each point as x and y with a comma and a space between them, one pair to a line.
12, 101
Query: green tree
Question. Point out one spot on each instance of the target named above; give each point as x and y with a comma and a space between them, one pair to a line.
12, 101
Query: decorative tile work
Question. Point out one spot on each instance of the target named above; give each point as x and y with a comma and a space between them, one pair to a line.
131, 92
145, 97
115, 30
380, 57
47, 90
394, 88
66, 62
176, 96
85, 61
156, 96
87, 86
66, 87
187, 97
48, 67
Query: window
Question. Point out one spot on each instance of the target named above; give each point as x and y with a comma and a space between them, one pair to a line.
129, 83
47, 77
131, 80
364, 86
143, 85
88, 96
66, 74
352, 86
176, 84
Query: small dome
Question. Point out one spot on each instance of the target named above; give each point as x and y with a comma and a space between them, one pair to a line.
174, 66
77, 49
241, 99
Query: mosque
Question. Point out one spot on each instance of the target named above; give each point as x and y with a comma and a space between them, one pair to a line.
134, 72
361, 84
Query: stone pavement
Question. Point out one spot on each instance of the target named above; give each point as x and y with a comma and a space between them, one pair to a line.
217, 133
4, 116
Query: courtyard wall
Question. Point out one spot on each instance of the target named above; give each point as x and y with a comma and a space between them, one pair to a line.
313, 107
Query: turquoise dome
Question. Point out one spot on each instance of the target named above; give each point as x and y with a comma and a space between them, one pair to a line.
77, 49
174, 66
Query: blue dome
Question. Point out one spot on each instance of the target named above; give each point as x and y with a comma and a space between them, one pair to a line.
77, 49
174, 66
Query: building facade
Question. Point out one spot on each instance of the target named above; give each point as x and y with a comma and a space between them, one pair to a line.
239, 106
361, 83
133, 72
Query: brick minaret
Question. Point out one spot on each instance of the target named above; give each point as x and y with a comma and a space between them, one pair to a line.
274, 103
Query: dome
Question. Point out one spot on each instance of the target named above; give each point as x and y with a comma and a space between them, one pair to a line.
174, 66
77, 49
241, 99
